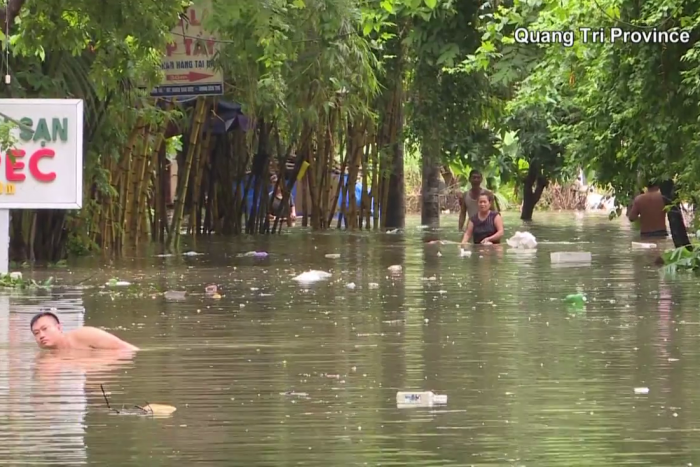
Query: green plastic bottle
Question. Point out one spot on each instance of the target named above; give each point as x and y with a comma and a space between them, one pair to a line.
577, 299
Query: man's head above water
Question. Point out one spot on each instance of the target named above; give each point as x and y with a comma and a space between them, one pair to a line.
47, 329
475, 179
48, 333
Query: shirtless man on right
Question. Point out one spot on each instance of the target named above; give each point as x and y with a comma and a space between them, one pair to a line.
649, 208
48, 333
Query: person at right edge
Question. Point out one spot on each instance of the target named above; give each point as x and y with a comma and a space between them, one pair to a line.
649, 208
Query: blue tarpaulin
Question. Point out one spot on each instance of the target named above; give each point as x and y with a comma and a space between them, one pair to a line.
299, 210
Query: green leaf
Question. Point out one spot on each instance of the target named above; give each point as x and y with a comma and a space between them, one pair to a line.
431, 4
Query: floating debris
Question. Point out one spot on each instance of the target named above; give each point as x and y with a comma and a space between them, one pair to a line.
254, 254
175, 295
117, 283
148, 410
333, 255
312, 276
303, 395
192, 253
522, 240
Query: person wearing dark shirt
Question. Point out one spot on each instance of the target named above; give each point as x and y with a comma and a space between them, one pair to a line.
289, 213
486, 226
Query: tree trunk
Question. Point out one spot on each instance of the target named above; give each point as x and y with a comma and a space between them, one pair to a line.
675, 215
430, 188
533, 186
396, 201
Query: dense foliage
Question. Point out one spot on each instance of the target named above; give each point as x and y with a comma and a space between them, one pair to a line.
343, 83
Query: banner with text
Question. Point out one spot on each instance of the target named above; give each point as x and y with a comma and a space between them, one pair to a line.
44, 169
188, 63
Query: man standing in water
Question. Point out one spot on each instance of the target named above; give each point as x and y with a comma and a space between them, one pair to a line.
49, 334
649, 208
469, 201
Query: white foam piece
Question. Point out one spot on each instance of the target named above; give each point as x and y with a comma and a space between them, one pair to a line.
578, 257
643, 246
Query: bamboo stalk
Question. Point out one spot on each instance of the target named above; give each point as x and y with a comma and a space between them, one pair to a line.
193, 187
144, 187
341, 185
199, 115
366, 200
137, 180
375, 185
125, 168
204, 157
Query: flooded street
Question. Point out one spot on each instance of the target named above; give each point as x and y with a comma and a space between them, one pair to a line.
274, 374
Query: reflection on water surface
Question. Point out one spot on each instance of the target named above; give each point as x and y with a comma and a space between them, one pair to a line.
275, 374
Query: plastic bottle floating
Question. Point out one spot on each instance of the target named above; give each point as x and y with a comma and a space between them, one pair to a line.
148, 410
419, 399
464, 253
576, 299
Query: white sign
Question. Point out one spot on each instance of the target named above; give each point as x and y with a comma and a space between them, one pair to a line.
47, 170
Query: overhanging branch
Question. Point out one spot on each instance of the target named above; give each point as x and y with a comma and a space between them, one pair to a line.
10, 12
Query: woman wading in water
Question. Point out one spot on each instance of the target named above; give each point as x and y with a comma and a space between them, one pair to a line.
486, 226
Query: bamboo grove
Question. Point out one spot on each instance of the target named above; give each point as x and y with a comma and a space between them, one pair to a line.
330, 90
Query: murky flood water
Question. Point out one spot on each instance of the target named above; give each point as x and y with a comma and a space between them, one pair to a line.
530, 381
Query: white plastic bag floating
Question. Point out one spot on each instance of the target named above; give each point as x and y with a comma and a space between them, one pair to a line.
523, 240
312, 276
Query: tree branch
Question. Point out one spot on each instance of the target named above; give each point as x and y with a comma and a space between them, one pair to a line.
10, 12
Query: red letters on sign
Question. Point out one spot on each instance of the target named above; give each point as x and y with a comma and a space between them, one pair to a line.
11, 168
34, 165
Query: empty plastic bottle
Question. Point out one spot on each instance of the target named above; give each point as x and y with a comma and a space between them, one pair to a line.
577, 299
420, 398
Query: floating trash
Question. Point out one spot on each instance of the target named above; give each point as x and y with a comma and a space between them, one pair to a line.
419, 399
522, 240
641, 390
643, 246
117, 283
312, 276
175, 295
576, 257
333, 255
254, 254
148, 410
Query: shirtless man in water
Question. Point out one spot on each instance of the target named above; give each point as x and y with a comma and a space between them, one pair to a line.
49, 334
650, 210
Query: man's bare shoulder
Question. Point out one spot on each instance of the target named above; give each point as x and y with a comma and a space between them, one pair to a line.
95, 338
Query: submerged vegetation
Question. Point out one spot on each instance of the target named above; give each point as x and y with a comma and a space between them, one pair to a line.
15, 280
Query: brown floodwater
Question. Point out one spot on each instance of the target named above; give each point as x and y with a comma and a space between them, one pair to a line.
275, 374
